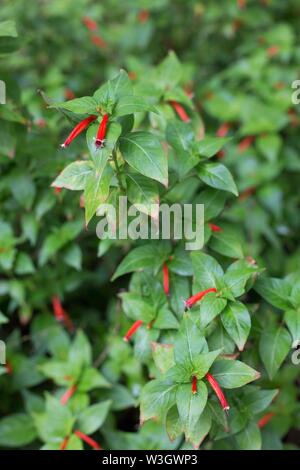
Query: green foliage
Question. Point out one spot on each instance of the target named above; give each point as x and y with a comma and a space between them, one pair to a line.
213, 124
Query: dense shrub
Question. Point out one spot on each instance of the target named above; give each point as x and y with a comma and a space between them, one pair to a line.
180, 102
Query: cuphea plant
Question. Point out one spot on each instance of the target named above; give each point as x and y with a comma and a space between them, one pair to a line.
142, 344
194, 350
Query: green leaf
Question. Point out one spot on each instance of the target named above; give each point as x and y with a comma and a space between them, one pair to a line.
210, 146
58, 239
189, 342
30, 228
143, 193
165, 319
201, 429
203, 363
156, 399
274, 346
80, 352
74, 176
23, 190
55, 423
119, 86
129, 104
120, 397
16, 430
180, 136
142, 257
8, 28
233, 374
238, 274
169, 71
91, 379
3, 319
24, 264
180, 262
142, 342
73, 257
74, 443
213, 201
210, 307
136, 308
96, 191
217, 176
60, 372
144, 153
84, 105
270, 146
257, 400
249, 438
206, 270
227, 242
292, 320
190, 406
181, 373
237, 322
173, 423
163, 356
93, 417
275, 291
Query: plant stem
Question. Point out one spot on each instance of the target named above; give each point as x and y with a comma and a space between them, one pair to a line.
118, 171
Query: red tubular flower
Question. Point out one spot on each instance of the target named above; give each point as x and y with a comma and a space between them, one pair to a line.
279, 85
265, 419
218, 391
143, 16
245, 194
215, 228
57, 309
100, 138
195, 298
41, 123
241, 3
81, 126
294, 120
64, 443
180, 111
69, 95
57, 190
9, 368
87, 439
273, 51
132, 330
166, 279
245, 144
132, 75
98, 41
194, 384
89, 23
223, 130
60, 314
68, 394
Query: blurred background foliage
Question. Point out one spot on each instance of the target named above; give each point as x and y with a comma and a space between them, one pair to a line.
239, 61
